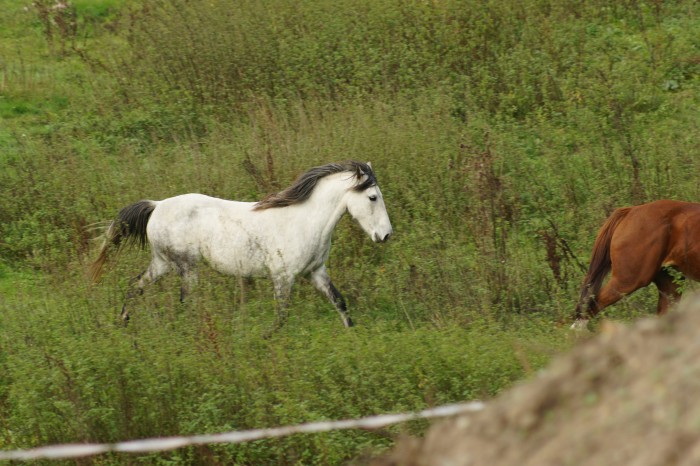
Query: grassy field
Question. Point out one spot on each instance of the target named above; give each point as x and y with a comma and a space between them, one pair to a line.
502, 134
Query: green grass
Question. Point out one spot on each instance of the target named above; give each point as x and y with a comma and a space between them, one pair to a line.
502, 133
71, 372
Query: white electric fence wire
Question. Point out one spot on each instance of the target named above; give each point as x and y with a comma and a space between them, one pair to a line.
171, 443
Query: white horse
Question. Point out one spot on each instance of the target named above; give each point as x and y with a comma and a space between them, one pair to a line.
281, 236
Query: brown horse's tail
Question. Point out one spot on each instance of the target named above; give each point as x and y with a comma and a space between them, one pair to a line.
600, 262
127, 228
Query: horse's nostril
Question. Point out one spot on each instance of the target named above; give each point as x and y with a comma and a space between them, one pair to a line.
386, 237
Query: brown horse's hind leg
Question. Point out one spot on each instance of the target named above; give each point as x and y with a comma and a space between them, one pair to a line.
668, 291
634, 264
609, 294
616, 288
613, 291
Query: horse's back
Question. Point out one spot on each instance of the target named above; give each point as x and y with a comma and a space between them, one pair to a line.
187, 208
669, 206
188, 221
196, 200
666, 213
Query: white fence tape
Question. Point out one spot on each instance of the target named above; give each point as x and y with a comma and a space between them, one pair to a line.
171, 443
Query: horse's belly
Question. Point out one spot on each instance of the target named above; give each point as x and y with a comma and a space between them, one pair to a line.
313, 264
236, 264
691, 271
687, 262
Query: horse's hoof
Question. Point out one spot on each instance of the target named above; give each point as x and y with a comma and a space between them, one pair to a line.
579, 325
349, 323
275, 328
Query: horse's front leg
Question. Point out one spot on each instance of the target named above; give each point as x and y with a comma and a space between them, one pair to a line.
322, 282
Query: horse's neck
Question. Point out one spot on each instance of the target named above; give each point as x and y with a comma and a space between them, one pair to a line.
327, 203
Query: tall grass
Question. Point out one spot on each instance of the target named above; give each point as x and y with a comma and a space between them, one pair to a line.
72, 373
502, 134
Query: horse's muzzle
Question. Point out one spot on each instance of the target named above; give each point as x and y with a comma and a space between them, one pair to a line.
381, 239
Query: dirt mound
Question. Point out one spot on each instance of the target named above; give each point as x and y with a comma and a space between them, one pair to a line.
628, 396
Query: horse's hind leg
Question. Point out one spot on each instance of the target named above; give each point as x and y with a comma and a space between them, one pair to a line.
157, 268
188, 278
631, 269
322, 282
283, 291
669, 290
613, 291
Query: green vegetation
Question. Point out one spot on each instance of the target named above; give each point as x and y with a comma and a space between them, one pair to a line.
503, 133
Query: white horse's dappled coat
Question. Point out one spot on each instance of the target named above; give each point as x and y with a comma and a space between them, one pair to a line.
282, 236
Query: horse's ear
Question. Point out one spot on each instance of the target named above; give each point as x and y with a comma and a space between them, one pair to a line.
369, 164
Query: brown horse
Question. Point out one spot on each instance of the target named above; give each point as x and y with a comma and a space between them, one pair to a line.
638, 244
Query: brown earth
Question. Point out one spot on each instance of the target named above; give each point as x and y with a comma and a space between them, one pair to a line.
628, 396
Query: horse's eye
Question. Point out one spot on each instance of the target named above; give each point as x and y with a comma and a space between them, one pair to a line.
373, 197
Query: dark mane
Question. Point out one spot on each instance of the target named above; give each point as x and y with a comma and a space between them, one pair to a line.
302, 188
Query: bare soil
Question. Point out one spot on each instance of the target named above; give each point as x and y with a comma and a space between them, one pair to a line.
630, 395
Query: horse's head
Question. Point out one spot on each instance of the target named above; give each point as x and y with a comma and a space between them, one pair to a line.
366, 205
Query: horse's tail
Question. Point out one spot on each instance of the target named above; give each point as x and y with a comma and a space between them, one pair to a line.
600, 262
127, 228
